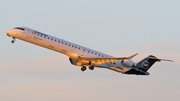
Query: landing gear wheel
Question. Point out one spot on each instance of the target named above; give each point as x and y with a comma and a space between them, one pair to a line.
12, 41
91, 67
83, 68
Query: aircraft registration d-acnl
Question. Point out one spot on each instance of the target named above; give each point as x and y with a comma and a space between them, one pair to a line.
82, 56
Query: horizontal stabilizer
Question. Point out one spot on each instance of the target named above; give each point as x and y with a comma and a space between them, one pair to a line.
160, 59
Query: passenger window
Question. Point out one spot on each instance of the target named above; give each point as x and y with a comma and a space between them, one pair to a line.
44, 36
88, 51
92, 52
51, 38
78, 48
62, 42
99, 54
95, 54
84, 49
72, 46
59, 41
55, 40
69, 45
65, 43
48, 37
75, 47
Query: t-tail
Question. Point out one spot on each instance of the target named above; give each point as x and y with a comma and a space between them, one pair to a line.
142, 67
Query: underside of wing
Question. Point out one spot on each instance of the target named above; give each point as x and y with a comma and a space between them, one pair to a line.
101, 60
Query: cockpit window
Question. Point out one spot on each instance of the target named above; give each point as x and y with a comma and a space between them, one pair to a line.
19, 28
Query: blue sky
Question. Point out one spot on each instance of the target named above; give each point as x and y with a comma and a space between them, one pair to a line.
115, 27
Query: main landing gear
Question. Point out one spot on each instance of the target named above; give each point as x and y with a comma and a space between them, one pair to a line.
83, 68
91, 67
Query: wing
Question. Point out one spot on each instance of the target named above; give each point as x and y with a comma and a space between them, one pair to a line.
100, 60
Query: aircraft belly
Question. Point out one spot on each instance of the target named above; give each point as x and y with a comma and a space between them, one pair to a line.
104, 65
120, 69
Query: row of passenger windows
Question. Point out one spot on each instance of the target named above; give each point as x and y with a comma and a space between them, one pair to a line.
41, 35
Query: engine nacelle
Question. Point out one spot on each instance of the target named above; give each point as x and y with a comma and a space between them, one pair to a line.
128, 63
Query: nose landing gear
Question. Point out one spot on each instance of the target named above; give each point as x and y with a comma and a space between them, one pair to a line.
8, 35
14, 39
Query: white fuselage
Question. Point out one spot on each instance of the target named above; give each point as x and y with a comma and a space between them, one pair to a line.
68, 48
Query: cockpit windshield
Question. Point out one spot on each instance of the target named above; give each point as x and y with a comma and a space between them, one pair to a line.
19, 28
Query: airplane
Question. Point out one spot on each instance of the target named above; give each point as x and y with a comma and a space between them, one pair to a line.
82, 56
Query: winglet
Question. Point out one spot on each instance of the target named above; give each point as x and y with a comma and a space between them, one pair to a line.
130, 57
160, 59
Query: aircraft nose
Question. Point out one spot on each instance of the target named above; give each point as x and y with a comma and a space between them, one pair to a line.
7, 31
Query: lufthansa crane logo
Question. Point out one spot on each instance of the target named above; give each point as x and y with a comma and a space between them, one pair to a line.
145, 65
